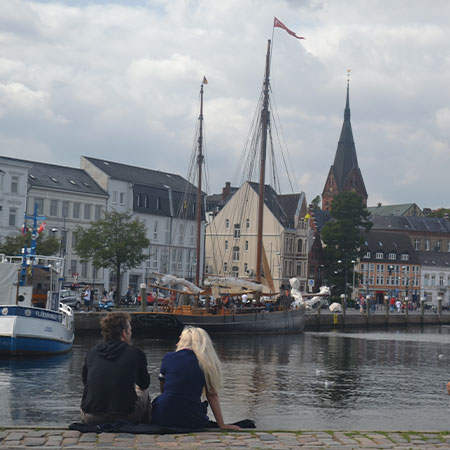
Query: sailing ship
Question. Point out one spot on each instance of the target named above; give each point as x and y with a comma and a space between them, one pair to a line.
32, 320
248, 319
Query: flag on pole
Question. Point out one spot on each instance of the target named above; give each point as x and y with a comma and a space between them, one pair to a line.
205, 81
279, 24
41, 228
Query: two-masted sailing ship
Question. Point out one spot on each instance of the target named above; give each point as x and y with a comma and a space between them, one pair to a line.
253, 317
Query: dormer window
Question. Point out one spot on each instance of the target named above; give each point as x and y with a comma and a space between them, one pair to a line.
405, 257
379, 255
392, 256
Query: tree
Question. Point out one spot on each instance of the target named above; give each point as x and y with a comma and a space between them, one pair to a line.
342, 237
114, 242
13, 244
316, 202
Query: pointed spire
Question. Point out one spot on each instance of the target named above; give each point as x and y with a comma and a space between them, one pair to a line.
347, 105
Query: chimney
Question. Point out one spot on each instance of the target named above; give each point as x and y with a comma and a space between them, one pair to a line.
226, 190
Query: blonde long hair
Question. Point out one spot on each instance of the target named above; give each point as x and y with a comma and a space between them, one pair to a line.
198, 340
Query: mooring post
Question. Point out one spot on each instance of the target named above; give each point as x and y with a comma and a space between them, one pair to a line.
143, 292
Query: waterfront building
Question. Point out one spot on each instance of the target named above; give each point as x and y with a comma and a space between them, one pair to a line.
344, 175
68, 197
13, 195
231, 236
388, 267
165, 202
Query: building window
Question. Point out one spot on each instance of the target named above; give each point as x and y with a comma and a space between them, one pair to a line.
380, 268
225, 267
441, 280
155, 230
405, 257
158, 203
84, 269
53, 207
299, 246
438, 245
247, 223
181, 235
299, 268
392, 256
416, 244
87, 212
226, 245
379, 255
73, 267
427, 245
235, 253
154, 257
227, 223
237, 230
246, 246
191, 237
74, 239
235, 272
14, 185
76, 210
245, 267
380, 280
12, 217
122, 198
145, 201
98, 212
114, 197
65, 209
40, 205
367, 255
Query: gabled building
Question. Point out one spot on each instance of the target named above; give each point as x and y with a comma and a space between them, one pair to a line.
344, 174
231, 236
435, 277
165, 202
68, 197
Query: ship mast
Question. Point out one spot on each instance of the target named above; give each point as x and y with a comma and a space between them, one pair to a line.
262, 170
199, 189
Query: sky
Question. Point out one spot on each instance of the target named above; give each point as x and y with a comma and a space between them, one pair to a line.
120, 80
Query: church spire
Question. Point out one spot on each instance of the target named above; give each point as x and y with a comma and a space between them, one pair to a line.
344, 173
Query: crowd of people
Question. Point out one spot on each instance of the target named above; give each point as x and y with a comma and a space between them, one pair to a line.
116, 380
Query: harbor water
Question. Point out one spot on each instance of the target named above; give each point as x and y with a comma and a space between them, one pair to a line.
374, 380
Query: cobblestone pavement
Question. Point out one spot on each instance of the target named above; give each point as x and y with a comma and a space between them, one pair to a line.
51, 438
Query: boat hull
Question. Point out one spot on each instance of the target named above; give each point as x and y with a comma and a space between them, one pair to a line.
290, 321
33, 331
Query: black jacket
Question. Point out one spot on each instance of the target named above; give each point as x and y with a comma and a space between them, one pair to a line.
110, 373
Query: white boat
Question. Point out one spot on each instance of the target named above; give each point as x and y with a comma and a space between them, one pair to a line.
32, 319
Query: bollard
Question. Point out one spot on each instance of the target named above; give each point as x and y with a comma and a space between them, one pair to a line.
386, 305
318, 314
143, 292
440, 308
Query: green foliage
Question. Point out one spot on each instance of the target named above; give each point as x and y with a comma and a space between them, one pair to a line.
115, 242
13, 245
316, 202
440, 212
342, 237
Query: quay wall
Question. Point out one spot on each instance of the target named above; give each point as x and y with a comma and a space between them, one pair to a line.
90, 322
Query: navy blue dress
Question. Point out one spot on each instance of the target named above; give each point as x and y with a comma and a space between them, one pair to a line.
180, 404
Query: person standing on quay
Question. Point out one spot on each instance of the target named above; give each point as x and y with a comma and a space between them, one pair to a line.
115, 377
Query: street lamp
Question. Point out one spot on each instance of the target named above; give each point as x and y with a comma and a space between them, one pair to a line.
353, 285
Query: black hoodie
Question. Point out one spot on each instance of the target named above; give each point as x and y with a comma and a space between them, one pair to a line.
110, 372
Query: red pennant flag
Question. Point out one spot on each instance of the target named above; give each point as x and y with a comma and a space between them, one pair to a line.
41, 228
279, 24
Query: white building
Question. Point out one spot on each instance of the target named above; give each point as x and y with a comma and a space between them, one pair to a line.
165, 202
435, 277
13, 195
67, 197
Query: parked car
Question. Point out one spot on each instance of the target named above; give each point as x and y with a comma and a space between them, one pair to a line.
71, 298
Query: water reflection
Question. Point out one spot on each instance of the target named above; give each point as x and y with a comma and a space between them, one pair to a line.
374, 380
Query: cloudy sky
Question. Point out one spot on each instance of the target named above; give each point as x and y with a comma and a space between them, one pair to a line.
120, 80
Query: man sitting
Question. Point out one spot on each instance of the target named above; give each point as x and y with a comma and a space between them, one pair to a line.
115, 377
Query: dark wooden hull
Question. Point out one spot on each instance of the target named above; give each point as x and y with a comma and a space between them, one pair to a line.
290, 321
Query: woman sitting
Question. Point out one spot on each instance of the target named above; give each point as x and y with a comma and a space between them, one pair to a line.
192, 370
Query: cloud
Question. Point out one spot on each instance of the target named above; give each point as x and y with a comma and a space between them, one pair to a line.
120, 80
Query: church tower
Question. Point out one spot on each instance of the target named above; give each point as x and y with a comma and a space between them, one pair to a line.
344, 174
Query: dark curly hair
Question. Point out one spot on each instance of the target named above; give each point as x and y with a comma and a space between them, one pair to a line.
113, 324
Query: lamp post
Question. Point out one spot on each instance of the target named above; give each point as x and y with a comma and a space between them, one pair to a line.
353, 284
